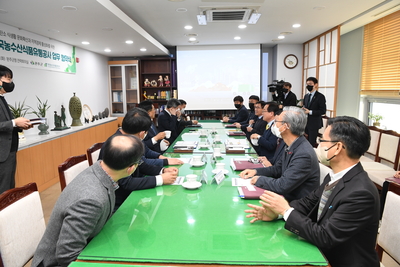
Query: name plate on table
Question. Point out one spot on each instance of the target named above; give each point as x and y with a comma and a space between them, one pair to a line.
204, 177
242, 164
182, 150
219, 177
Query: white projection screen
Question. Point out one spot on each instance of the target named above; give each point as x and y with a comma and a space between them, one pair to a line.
209, 77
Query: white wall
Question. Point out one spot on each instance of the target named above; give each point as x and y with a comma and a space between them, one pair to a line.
90, 83
294, 76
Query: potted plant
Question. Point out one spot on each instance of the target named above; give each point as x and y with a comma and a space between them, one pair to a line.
19, 110
41, 110
375, 118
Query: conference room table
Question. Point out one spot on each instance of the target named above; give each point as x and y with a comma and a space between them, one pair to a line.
210, 136
206, 226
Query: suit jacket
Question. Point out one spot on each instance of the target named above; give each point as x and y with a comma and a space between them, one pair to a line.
167, 122
347, 228
318, 107
149, 143
280, 149
295, 174
7, 132
290, 100
241, 116
80, 213
258, 127
267, 144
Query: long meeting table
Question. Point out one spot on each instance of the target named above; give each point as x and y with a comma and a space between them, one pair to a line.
206, 226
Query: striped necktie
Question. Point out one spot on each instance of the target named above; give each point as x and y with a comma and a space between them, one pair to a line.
267, 127
325, 196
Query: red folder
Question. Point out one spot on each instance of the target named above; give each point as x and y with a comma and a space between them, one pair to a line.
230, 126
236, 134
245, 193
240, 165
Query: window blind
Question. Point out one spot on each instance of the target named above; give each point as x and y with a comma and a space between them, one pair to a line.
381, 57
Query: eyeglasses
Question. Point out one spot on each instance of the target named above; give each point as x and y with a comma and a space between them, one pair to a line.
139, 162
332, 141
281, 121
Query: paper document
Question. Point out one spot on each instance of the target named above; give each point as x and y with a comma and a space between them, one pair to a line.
241, 182
179, 180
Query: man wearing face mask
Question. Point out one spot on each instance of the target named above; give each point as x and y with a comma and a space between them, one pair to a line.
168, 120
182, 117
9, 128
314, 106
252, 117
241, 114
296, 173
340, 217
289, 98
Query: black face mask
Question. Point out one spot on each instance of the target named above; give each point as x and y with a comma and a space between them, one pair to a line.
251, 105
8, 87
237, 106
285, 90
310, 87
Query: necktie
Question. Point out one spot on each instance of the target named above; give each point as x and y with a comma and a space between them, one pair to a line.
267, 127
325, 196
309, 100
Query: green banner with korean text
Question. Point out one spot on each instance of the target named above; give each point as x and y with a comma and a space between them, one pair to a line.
26, 49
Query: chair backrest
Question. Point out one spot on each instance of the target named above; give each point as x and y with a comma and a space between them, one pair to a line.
70, 168
324, 122
390, 228
389, 148
93, 152
22, 225
375, 138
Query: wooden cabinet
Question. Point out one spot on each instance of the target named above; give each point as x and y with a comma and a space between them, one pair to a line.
158, 79
124, 87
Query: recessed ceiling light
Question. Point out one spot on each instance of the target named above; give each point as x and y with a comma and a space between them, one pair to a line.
107, 50
188, 27
192, 39
181, 10
296, 25
237, 38
85, 43
281, 37
129, 42
143, 49
107, 29
69, 8
242, 26
3, 11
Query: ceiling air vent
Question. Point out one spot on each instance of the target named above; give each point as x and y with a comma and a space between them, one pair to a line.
221, 15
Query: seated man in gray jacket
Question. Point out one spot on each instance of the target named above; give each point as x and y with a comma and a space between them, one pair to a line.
296, 173
86, 204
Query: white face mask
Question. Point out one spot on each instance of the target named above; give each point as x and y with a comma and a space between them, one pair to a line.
322, 154
144, 136
183, 110
275, 131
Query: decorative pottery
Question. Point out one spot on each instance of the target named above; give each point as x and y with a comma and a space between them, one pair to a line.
75, 109
43, 127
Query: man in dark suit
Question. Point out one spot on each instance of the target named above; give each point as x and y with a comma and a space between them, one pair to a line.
9, 127
154, 138
341, 217
296, 173
252, 117
86, 204
257, 125
136, 122
314, 106
183, 118
267, 140
289, 98
242, 113
168, 120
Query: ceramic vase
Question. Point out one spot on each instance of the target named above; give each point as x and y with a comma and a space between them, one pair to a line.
75, 109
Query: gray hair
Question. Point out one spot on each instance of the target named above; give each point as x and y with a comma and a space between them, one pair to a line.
173, 103
296, 119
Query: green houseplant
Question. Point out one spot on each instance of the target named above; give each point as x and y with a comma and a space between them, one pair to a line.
375, 118
41, 110
19, 110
